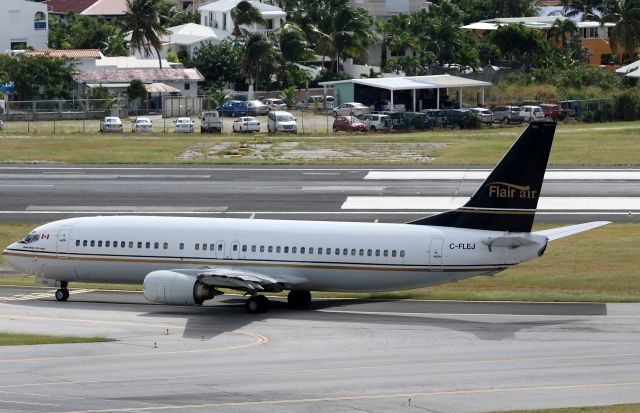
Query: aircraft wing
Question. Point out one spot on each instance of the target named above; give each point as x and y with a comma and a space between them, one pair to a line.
231, 277
562, 232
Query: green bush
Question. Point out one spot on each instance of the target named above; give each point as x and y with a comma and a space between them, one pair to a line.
627, 106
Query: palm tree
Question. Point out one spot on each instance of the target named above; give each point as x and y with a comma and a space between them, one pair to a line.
142, 18
564, 29
626, 33
591, 10
259, 50
244, 14
115, 45
293, 46
351, 32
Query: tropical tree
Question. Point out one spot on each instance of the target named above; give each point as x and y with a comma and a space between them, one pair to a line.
590, 10
519, 43
115, 45
244, 14
259, 51
220, 62
564, 29
136, 91
350, 33
142, 18
626, 33
29, 74
288, 94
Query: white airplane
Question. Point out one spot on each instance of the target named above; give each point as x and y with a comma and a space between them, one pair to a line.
184, 261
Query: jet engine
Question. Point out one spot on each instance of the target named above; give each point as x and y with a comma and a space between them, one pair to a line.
171, 287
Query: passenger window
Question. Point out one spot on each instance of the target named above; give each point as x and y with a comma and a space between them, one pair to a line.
377, 253
337, 251
122, 244
393, 253
130, 244
320, 250
99, 243
139, 244
361, 252
156, 245
165, 245
182, 245
212, 247
345, 251
386, 253
301, 250
235, 247
293, 250
197, 247
77, 243
107, 243
84, 243
253, 248
115, 244
328, 251
402, 253
286, 250
220, 247
147, 245
353, 251
93, 243
278, 249
369, 253
261, 248
270, 248
244, 248
310, 250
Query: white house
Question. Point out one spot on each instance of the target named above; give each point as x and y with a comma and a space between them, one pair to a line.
217, 15
23, 24
187, 38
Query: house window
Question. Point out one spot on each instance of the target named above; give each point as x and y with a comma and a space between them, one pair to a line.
18, 45
187, 86
224, 21
269, 24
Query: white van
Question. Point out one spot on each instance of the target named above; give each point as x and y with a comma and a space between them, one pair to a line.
280, 121
210, 122
530, 113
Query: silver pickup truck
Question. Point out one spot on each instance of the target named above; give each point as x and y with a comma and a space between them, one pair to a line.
210, 122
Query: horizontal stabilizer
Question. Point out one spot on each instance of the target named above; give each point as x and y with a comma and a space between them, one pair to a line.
510, 242
562, 232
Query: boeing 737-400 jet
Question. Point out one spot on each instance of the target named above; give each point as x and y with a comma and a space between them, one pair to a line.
185, 261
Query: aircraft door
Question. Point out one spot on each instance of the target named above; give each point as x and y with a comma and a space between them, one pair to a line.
62, 241
235, 250
221, 252
435, 253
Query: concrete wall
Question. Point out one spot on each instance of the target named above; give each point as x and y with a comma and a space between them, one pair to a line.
23, 21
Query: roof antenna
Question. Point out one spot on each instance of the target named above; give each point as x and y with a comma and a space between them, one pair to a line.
252, 216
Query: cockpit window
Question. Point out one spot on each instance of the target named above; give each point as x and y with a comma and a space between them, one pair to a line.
31, 238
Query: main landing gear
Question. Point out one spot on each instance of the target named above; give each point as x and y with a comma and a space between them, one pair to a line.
62, 294
257, 304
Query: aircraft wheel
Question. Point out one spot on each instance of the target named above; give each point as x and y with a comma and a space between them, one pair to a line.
298, 298
62, 294
257, 304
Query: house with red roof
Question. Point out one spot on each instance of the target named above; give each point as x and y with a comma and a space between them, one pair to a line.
108, 9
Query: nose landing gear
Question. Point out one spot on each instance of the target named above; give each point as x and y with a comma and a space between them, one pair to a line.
62, 294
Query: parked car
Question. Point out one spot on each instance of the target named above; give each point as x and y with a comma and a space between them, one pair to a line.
382, 105
246, 124
348, 124
458, 117
530, 113
256, 108
316, 102
275, 104
376, 121
506, 114
111, 124
141, 125
485, 115
350, 108
234, 108
436, 117
553, 111
210, 122
280, 121
184, 125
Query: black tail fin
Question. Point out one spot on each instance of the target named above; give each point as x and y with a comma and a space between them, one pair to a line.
507, 200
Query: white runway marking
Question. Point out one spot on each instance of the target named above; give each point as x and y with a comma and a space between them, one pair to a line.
431, 203
481, 174
38, 296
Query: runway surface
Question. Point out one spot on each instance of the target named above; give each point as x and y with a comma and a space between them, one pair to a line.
49, 192
338, 356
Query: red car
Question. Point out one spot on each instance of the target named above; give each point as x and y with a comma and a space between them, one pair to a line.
348, 124
553, 111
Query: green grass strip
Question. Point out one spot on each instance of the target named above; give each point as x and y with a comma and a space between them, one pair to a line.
617, 408
15, 339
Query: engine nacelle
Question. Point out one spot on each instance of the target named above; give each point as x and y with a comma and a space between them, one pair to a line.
170, 287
